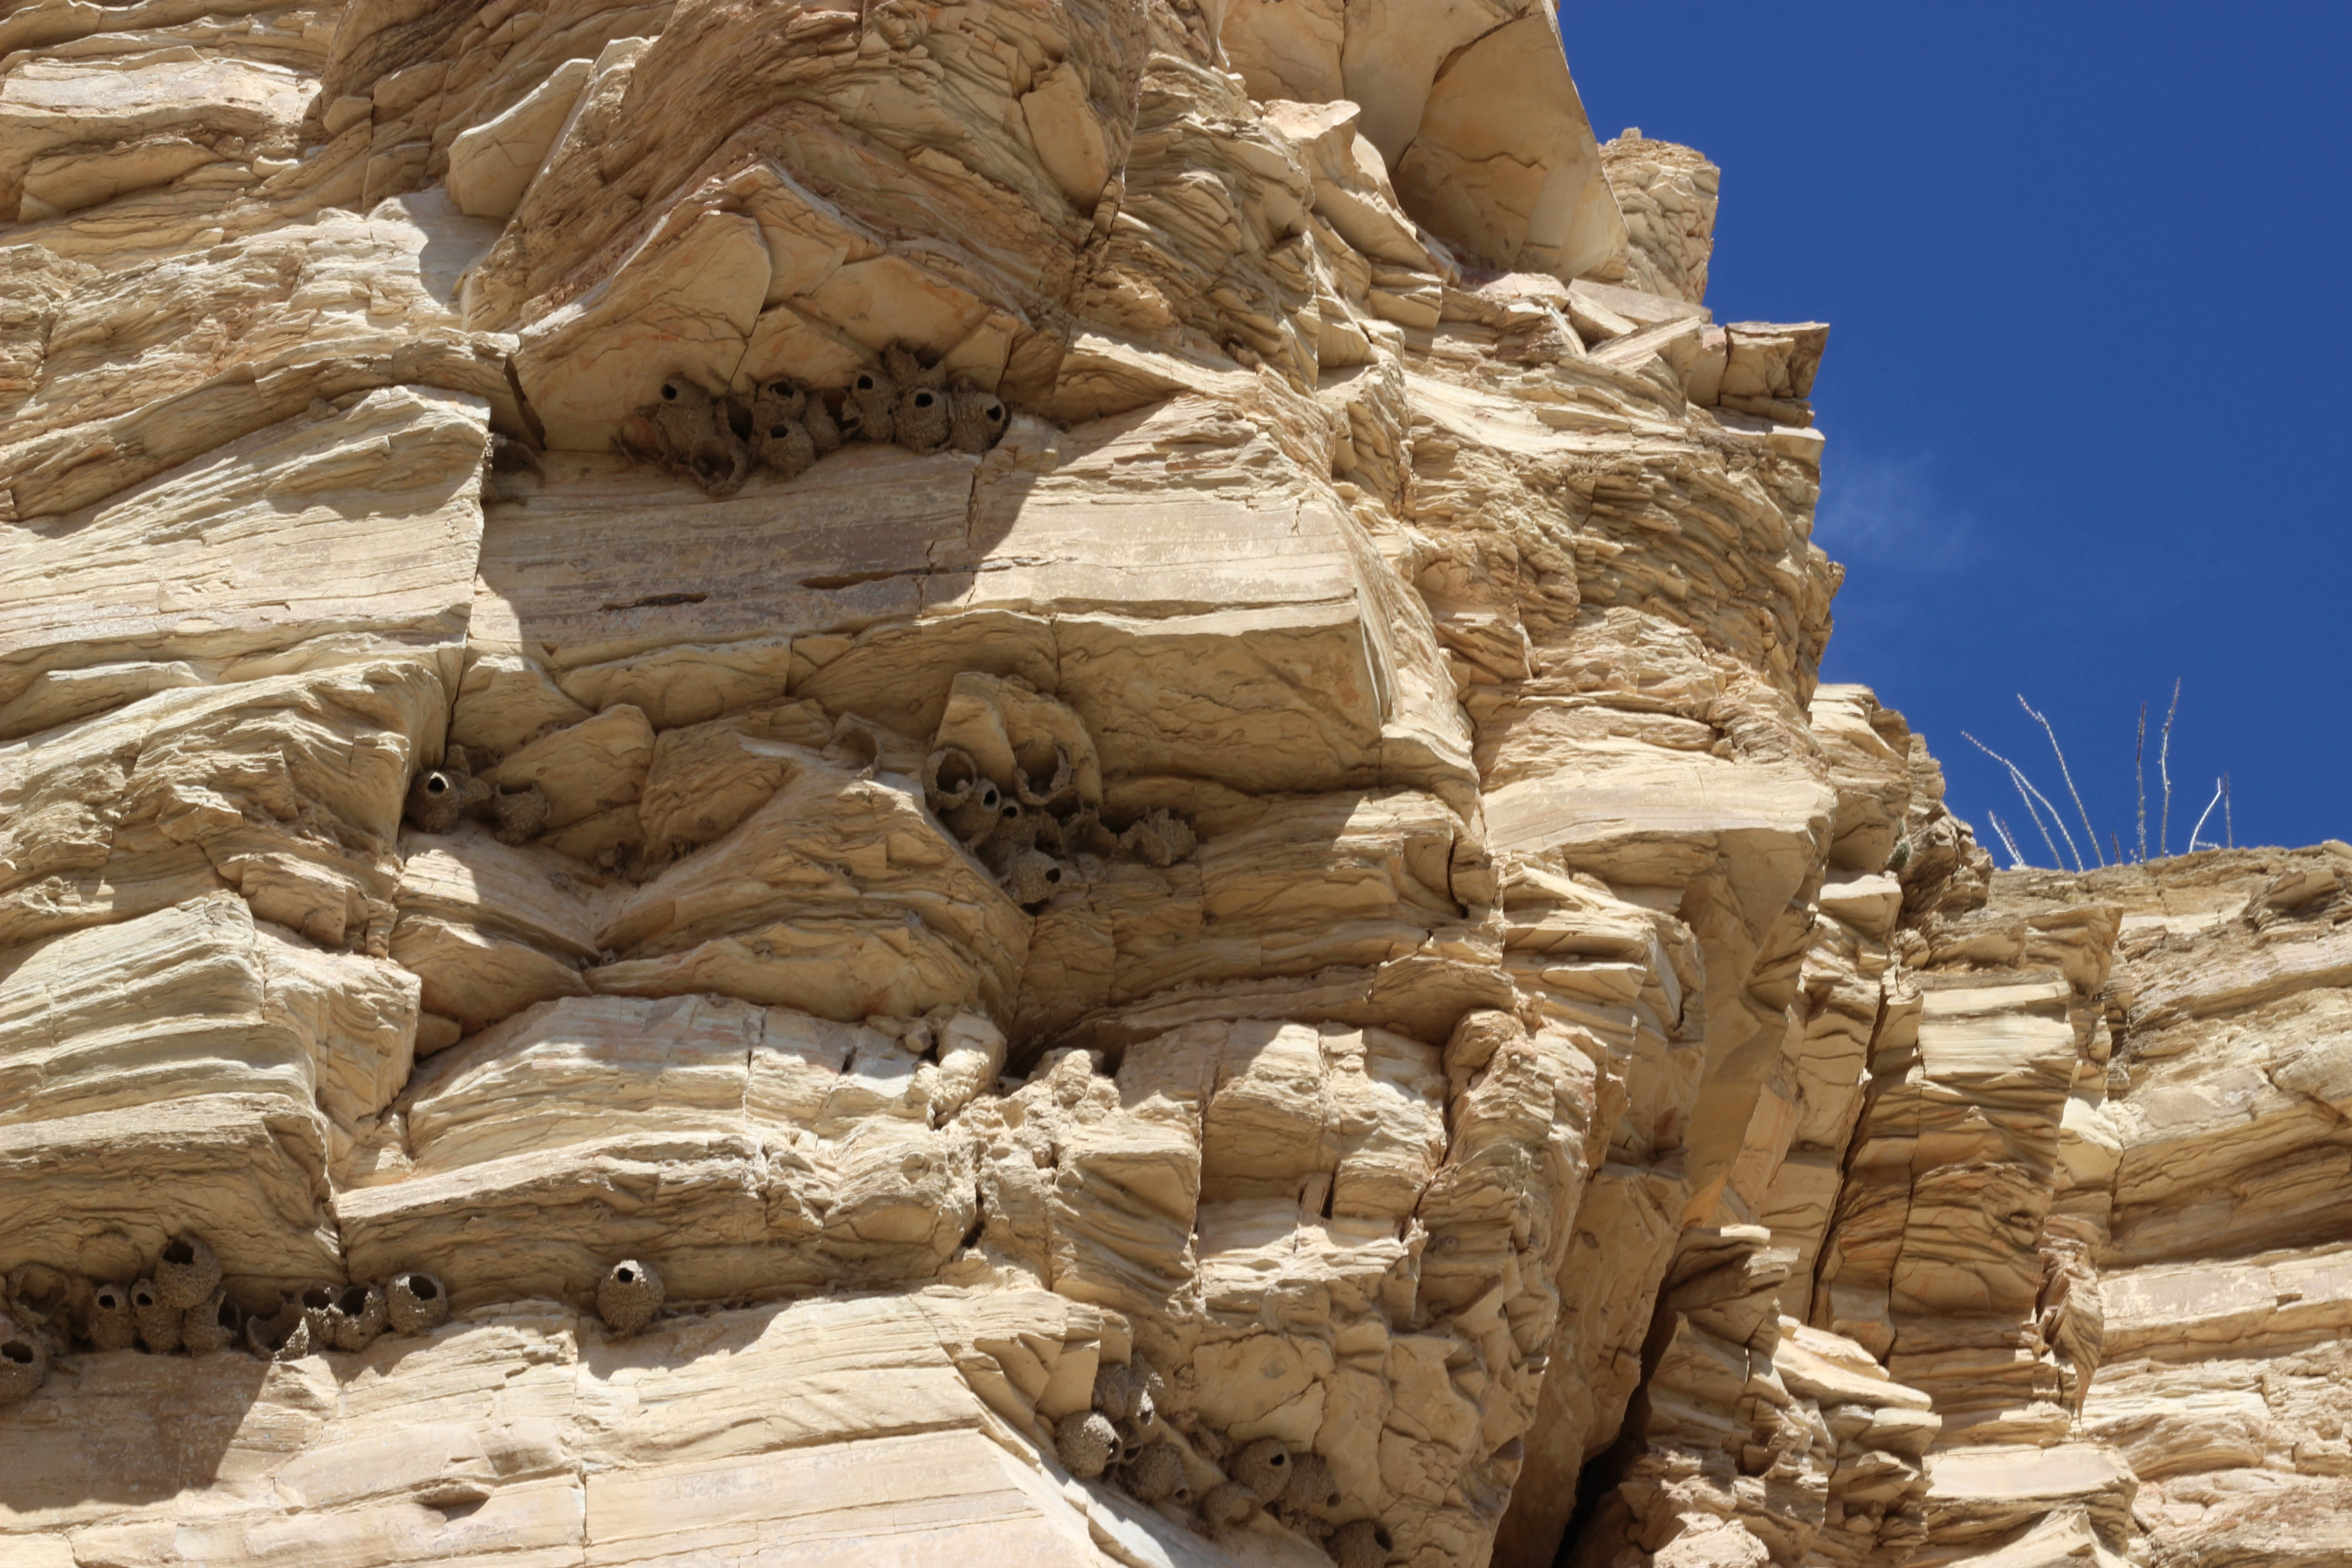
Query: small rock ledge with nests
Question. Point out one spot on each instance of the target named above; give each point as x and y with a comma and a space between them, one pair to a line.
181, 1303
713, 438
1029, 839
1214, 1484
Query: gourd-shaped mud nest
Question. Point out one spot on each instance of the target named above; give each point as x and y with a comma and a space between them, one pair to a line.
184, 1304
628, 1297
715, 438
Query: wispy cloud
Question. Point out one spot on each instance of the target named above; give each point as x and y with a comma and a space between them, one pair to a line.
1892, 511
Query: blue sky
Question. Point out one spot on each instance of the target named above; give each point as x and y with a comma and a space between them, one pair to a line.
2082, 398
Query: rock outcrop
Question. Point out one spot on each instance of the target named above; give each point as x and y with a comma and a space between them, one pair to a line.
802, 784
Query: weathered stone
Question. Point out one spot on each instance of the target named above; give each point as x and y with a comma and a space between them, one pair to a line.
1101, 724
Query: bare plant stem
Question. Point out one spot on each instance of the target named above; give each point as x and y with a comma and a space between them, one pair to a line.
2028, 794
2025, 794
2068, 774
2164, 770
2140, 776
2036, 803
2218, 791
2056, 863
2016, 780
2016, 861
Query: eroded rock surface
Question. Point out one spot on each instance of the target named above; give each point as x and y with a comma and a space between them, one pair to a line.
806, 783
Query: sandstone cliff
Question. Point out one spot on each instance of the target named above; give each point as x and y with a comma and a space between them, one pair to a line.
787, 784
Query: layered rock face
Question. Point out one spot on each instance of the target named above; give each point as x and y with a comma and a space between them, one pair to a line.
1038, 782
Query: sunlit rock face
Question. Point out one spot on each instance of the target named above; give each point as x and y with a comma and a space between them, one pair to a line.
1036, 783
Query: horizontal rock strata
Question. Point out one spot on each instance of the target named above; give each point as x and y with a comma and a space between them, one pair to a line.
821, 784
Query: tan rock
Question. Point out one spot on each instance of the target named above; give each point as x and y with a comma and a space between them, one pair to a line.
73, 134
1285, 902
1352, 191
1547, 205
1667, 194
491, 164
255, 332
358, 526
